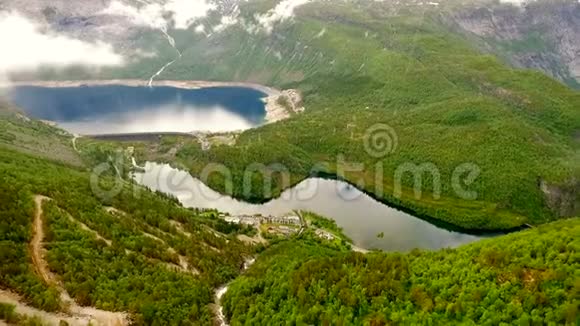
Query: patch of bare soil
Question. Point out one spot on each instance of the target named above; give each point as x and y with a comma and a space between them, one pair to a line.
114, 211
49, 318
255, 240
36, 244
180, 228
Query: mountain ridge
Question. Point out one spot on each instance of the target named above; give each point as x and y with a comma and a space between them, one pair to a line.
540, 35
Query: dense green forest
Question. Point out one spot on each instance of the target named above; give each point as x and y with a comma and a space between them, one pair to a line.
527, 278
446, 104
141, 253
530, 277
119, 255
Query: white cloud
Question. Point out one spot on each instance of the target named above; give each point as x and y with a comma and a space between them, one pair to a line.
186, 12
516, 2
162, 119
225, 22
150, 15
200, 29
283, 11
153, 14
25, 47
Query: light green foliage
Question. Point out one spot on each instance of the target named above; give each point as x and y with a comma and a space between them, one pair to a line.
132, 274
317, 221
8, 314
35, 137
357, 64
530, 277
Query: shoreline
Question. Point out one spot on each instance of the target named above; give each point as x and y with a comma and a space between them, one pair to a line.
274, 112
411, 210
183, 84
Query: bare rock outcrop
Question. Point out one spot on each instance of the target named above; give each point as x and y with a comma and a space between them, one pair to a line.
563, 199
283, 105
541, 35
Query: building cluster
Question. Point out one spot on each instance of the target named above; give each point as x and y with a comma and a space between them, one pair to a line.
324, 235
258, 219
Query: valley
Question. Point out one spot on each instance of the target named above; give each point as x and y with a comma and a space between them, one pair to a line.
213, 162
71, 246
338, 200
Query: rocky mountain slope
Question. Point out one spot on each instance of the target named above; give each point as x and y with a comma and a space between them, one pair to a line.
542, 34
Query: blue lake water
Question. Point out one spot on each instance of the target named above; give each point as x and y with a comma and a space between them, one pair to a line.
92, 110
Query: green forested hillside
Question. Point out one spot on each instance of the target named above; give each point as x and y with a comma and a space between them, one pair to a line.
19, 132
447, 104
138, 253
358, 64
527, 278
127, 259
124, 255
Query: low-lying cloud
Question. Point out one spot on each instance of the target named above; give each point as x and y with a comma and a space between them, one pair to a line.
515, 2
27, 46
186, 12
148, 15
182, 14
152, 14
165, 118
282, 12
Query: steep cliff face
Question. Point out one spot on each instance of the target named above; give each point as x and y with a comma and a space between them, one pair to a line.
542, 35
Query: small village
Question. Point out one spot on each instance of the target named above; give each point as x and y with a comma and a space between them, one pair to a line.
286, 225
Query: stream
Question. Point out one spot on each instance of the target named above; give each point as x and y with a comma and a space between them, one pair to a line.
221, 318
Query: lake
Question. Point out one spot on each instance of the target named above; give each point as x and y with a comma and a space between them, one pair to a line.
361, 217
117, 109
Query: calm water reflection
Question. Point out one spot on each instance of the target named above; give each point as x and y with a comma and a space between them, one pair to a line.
125, 109
361, 216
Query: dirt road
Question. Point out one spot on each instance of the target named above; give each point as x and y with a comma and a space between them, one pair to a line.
82, 315
36, 245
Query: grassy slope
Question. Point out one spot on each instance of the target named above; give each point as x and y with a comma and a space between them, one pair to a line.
447, 103
530, 277
35, 137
